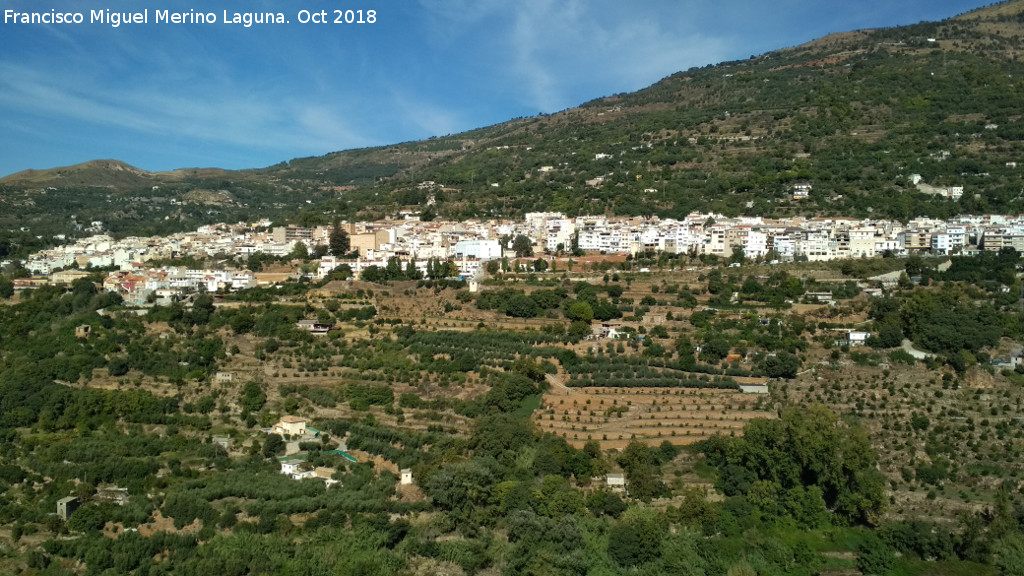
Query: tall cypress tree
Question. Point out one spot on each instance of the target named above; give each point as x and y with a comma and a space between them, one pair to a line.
339, 242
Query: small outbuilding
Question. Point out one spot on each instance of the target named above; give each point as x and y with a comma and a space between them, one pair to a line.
616, 482
67, 506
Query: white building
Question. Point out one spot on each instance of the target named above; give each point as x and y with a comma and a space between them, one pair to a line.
785, 246
815, 246
941, 243
616, 482
479, 249
756, 245
857, 338
862, 243
296, 468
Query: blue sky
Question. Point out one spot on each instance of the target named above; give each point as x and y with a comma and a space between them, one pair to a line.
165, 96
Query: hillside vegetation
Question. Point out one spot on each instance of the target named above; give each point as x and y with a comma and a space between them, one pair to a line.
730, 425
854, 114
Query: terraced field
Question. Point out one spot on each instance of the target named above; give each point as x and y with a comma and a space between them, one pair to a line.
613, 416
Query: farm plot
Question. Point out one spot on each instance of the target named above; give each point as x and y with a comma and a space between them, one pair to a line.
614, 416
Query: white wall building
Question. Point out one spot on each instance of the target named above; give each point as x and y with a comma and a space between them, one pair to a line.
479, 249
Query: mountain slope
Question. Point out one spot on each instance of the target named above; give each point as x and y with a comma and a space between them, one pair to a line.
854, 114
110, 173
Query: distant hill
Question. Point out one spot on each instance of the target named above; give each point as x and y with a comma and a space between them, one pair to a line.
108, 173
112, 174
853, 114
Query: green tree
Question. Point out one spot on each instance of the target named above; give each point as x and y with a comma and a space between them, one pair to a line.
808, 447
118, 366
738, 256
299, 252
521, 306
374, 274
637, 538
452, 269
411, 271
253, 397
875, 557
890, 335
273, 446
522, 246
714, 349
575, 247
340, 272
641, 471
604, 502
579, 330
202, 309
86, 519
339, 243
782, 365
464, 486
1008, 553
580, 312
393, 270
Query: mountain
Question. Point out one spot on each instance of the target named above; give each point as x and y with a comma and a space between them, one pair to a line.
112, 174
853, 114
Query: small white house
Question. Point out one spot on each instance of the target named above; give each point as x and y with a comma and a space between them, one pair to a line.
616, 482
296, 468
857, 338
801, 190
405, 476
291, 466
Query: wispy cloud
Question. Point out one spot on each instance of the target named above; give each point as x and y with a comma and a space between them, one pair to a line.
30, 92
217, 113
424, 117
552, 51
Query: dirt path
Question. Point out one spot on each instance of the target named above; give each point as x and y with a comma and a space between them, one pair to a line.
908, 347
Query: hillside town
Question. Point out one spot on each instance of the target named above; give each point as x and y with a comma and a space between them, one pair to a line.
472, 243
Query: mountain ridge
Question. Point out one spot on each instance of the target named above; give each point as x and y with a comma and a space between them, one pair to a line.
96, 172
1006, 8
853, 113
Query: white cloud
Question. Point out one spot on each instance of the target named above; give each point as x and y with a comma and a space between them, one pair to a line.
556, 53
561, 46
216, 113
